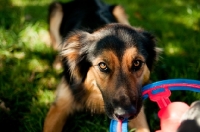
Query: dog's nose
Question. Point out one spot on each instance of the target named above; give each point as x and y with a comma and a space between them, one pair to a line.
123, 114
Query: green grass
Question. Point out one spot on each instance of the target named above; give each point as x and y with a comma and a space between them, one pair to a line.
28, 80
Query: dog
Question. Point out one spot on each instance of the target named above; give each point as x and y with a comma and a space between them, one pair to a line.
105, 63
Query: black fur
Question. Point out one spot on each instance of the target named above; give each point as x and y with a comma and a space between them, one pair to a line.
85, 15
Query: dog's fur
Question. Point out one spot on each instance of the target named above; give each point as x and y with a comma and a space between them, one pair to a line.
105, 61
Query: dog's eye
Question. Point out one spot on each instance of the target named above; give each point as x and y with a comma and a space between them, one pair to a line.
137, 64
103, 67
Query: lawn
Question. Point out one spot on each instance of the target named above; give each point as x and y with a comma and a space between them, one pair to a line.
28, 79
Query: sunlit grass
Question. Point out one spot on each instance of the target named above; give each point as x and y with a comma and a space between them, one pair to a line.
22, 3
45, 97
172, 49
191, 19
34, 36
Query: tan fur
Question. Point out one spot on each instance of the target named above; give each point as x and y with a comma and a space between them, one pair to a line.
94, 101
55, 21
145, 75
54, 25
120, 15
128, 56
60, 110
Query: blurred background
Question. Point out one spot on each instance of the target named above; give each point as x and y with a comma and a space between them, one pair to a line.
28, 79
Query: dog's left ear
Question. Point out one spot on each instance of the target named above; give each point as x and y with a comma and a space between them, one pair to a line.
153, 52
74, 53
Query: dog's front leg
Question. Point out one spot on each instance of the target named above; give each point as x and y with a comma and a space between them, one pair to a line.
60, 110
56, 117
140, 122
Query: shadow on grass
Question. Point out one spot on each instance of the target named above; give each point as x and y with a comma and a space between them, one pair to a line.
23, 87
23, 91
14, 16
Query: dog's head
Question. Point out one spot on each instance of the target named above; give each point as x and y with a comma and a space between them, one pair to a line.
120, 58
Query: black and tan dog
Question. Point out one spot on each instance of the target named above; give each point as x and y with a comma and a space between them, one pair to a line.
106, 62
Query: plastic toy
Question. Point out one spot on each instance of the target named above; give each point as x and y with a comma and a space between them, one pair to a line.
169, 113
118, 126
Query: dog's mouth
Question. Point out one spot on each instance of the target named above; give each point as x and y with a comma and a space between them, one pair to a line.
122, 114
122, 118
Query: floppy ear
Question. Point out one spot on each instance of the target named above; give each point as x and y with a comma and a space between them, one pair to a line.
152, 50
74, 53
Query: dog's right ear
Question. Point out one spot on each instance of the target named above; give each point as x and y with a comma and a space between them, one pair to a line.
74, 53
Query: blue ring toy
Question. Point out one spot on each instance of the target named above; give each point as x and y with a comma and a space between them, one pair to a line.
172, 84
114, 123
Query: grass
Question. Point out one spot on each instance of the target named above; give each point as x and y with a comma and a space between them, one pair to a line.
28, 80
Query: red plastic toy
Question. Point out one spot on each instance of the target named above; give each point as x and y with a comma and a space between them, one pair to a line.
170, 113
